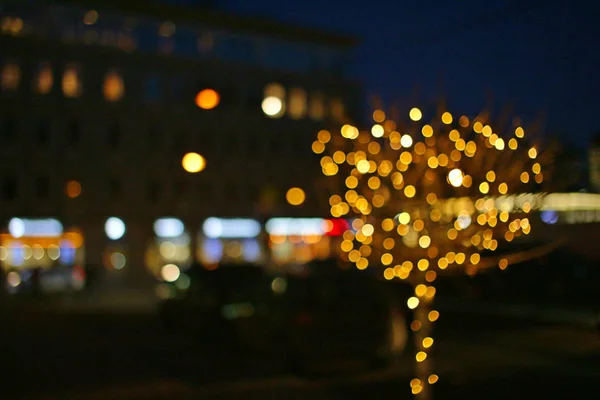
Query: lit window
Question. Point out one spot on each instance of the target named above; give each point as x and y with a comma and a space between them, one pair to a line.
297, 103
44, 79
11, 76
71, 84
12, 25
273, 104
205, 42
337, 109
316, 109
90, 17
113, 87
73, 189
167, 29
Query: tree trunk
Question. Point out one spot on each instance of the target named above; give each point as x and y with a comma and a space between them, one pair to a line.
423, 369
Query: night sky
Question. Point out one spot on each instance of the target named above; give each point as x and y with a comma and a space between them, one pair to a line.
543, 58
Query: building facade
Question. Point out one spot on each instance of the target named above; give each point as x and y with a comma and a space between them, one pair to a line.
99, 104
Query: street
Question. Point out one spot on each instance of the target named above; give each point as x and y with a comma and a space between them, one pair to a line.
93, 354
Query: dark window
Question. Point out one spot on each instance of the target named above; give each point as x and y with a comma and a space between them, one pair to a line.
114, 188
9, 189
153, 138
152, 191
41, 187
9, 130
114, 136
74, 134
152, 88
180, 189
180, 142
43, 132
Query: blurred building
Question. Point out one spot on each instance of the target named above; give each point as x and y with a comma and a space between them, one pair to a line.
594, 164
100, 100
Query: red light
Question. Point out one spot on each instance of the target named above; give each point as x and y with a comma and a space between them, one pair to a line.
336, 227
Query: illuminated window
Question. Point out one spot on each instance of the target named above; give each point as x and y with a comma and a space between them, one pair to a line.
205, 42
90, 17
73, 189
113, 87
273, 104
12, 25
316, 107
11, 76
167, 29
44, 79
71, 83
297, 103
337, 109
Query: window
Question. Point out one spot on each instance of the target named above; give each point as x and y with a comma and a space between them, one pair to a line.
9, 130
316, 108
43, 132
9, 189
73, 134
41, 187
113, 87
152, 190
114, 136
152, 88
273, 104
337, 109
11, 76
180, 189
71, 82
297, 103
114, 188
44, 79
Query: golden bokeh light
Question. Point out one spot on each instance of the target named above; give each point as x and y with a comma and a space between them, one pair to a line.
415, 114
207, 99
193, 162
295, 196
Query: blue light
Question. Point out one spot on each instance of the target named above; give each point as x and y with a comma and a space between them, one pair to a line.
251, 250
212, 250
549, 216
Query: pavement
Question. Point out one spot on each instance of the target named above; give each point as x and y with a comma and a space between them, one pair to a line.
93, 353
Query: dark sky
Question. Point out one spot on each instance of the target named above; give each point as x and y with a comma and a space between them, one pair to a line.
543, 57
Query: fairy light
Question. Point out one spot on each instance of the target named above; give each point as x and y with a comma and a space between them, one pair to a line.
423, 204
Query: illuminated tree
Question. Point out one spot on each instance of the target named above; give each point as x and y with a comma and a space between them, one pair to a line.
429, 198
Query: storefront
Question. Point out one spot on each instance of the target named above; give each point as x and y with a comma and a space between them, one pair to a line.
169, 252
230, 240
300, 240
37, 255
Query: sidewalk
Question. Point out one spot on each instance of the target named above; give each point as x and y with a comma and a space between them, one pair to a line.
549, 314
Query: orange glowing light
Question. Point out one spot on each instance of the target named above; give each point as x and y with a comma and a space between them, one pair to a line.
73, 189
207, 99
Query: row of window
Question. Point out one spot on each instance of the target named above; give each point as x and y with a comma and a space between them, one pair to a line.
276, 100
73, 189
165, 37
180, 141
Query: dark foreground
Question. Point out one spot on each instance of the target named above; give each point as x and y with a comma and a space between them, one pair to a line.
100, 355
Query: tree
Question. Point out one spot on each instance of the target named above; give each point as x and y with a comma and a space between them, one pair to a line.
428, 199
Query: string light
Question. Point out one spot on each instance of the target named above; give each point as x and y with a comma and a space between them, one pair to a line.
423, 204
